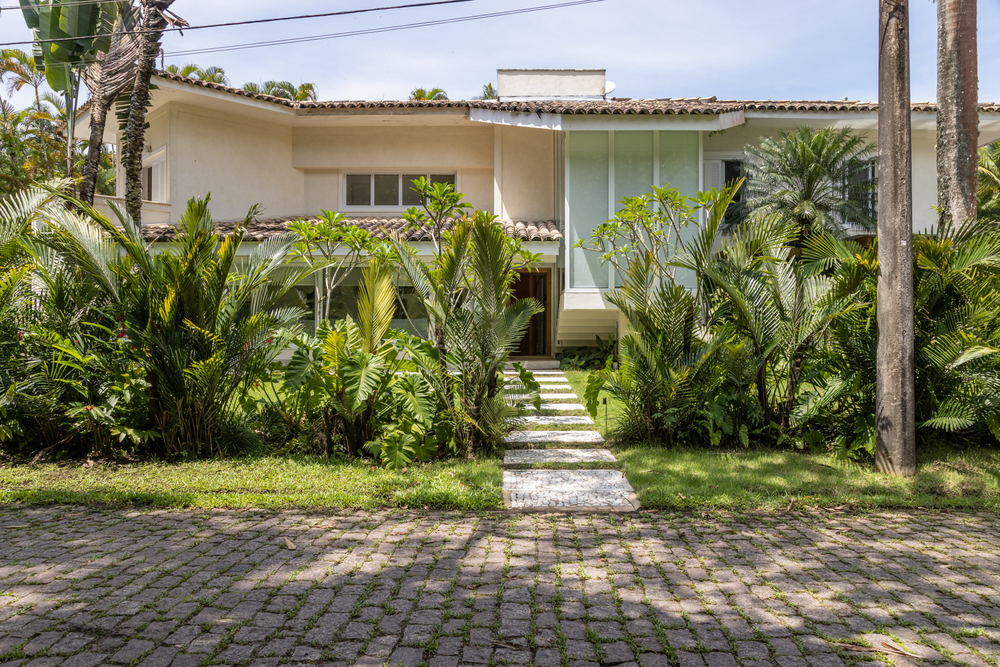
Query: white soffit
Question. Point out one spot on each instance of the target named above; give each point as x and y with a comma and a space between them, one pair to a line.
544, 121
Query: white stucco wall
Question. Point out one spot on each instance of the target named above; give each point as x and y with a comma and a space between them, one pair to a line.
526, 168
242, 162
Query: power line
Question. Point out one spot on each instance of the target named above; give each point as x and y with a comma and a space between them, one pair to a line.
371, 31
242, 23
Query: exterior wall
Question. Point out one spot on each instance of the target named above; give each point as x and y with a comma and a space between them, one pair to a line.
526, 172
241, 161
325, 154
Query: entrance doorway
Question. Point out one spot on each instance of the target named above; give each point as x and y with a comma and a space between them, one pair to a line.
535, 285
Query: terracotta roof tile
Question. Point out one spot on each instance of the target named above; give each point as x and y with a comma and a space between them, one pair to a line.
614, 106
259, 230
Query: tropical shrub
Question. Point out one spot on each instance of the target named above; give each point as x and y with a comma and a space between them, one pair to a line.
819, 179
474, 324
202, 325
956, 276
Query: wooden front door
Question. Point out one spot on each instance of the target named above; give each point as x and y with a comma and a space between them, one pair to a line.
535, 285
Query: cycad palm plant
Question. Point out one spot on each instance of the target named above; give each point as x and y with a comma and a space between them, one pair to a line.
818, 179
957, 335
474, 324
203, 323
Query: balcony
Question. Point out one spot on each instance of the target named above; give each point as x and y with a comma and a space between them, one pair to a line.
153, 213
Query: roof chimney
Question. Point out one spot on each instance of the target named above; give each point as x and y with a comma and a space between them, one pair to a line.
552, 84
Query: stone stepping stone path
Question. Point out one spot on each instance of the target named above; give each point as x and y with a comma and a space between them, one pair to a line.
582, 490
568, 489
588, 437
515, 457
563, 407
558, 419
546, 396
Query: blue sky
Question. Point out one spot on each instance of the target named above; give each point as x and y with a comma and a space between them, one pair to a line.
757, 49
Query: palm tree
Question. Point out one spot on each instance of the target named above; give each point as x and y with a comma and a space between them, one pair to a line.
957, 113
819, 179
489, 92
23, 71
284, 89
428, 94
213, 74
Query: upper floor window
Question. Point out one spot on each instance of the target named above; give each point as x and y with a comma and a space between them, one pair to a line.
388, 190
154, 177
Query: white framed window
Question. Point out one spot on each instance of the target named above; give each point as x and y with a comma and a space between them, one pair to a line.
154, 176
381, 191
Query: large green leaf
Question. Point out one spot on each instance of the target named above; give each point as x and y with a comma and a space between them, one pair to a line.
362, 374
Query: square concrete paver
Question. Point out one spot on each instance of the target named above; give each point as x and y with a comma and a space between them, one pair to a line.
546, 396
568, 489
557, 420
586, 437
530, 456
563, 407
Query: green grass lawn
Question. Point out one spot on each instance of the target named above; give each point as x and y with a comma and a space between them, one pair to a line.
775, 480
266, 482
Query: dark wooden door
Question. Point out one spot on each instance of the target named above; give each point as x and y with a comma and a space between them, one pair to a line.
535, 285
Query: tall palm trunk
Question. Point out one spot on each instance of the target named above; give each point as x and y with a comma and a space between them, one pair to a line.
957, 114
153, 23
895, 426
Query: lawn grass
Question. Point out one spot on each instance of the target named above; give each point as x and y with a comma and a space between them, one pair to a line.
264, 482
777, 480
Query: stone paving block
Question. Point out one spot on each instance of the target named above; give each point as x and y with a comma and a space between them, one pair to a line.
608, 489
563, 407
556, 396
543, 456
108, 587
576, 437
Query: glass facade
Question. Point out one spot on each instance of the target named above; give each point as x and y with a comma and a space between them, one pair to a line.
605, 167
587, 153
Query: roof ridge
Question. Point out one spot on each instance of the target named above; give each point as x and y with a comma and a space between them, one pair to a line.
627, 106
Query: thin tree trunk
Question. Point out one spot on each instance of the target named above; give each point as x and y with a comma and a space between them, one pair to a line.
895, 426
153, 24
41, 137
957, 114
98, 115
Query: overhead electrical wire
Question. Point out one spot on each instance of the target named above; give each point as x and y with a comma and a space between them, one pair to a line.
371, 31
345, 12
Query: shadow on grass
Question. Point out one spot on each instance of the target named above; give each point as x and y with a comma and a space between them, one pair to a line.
772, 479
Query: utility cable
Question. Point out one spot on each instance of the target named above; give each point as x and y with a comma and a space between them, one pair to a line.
230, 24
371, 31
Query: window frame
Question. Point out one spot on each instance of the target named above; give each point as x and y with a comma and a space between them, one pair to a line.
155, 158
372, 173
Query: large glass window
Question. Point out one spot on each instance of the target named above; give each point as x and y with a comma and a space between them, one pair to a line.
593, 194
679, 153
633, 165
588, 203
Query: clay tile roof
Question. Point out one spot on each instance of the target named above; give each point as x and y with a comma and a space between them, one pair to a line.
613, 106
380, 227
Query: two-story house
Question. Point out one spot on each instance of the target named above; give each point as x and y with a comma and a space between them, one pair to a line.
552, 157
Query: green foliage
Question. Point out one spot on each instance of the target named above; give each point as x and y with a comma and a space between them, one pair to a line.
429, 94
204, 327
589, 358
818, 180
474, 325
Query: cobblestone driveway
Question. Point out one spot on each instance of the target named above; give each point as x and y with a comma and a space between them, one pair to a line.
80, 587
